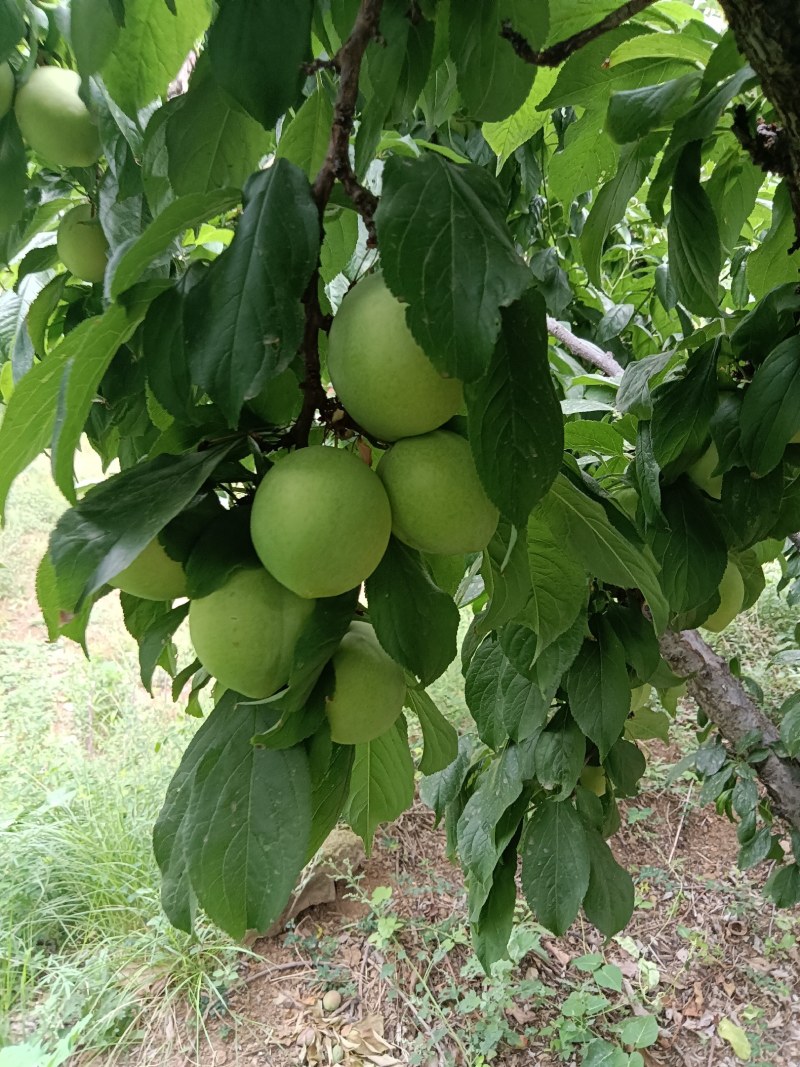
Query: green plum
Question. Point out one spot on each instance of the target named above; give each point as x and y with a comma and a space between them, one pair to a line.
153, 575
82, 245
54, 120
731, 592
280, 400
702, 472
369, 688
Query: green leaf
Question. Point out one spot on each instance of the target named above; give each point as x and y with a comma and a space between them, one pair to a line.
133, 258
492, 928
257, 50
683, 407
13, 173
304, 141
502, 701
330, 787
601, 1053
454, 264
382, 782
690, 550
586, 78
625, 765
770, 264
12, 27
587, 157
245, 316
515, 424
152, 624
555, 864
506, 136
31, 412
598, 687
492, 79
635, 112
116, 519
419, 628
558, 585
150, 49
235, 824
770, 414
695, 252
506, 576
783, 886
790, 726
93, 33
441, 789
211, 144
601, 547
559, 754
639, 1032
440, 739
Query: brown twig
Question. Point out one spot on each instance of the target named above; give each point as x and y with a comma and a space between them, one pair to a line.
555, 55
583, 349
337, 166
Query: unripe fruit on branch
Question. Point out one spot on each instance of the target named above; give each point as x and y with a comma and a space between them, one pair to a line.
369, 688
6, 89
701, 472
153, 575
54, 120
438, 503
380, 374
731, 593
280, 400
320, 522
594, 779
639, 696
245, 632
82, 245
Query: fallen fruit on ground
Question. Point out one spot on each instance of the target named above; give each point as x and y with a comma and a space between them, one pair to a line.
245, 632
731, 592
321, 521
369, 688
381, 375
701, 472
54, 121
82, 245
438, 503
6, 89
153, 575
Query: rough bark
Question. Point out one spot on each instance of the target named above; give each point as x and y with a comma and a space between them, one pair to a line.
725, 701
768, 33
583, 349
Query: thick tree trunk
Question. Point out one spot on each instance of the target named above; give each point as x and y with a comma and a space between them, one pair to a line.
768, 33
725, 701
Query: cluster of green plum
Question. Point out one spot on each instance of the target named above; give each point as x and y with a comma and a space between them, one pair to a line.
56, 124
321, 521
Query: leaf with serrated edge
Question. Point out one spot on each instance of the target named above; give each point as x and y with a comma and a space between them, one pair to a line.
382, 782
555, 864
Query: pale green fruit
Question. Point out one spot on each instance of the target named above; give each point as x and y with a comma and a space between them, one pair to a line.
320, 522
701, 472
438, 503
280, 400
6, 89
639, 696
380, 374
369, 688
245, 632
153, 575
594, 779
82, 245
731, 592
795, 439
55, 121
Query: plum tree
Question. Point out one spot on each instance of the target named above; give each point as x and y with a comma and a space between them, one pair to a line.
245, 632
438, 503
640, 695
320, 521
381, 375
369, 688
280, 400
594, 779
153, 575
702, 472
54, 120
6, 89
731, 592
82, 245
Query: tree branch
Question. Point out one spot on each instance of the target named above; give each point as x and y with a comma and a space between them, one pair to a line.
768, 147
555, 55
337, 165
725, 701
585, 350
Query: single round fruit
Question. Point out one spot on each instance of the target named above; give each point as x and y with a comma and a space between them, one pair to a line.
795, 439
280, 400
82, 245
702, 472
369, 688
640, 695
332, 1000
438, 503
594, 779
320, 522
153, 575
731, 593
245, 632
380, 374
6, 89
55, 121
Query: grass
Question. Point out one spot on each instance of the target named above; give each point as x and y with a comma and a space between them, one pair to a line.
86, 957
